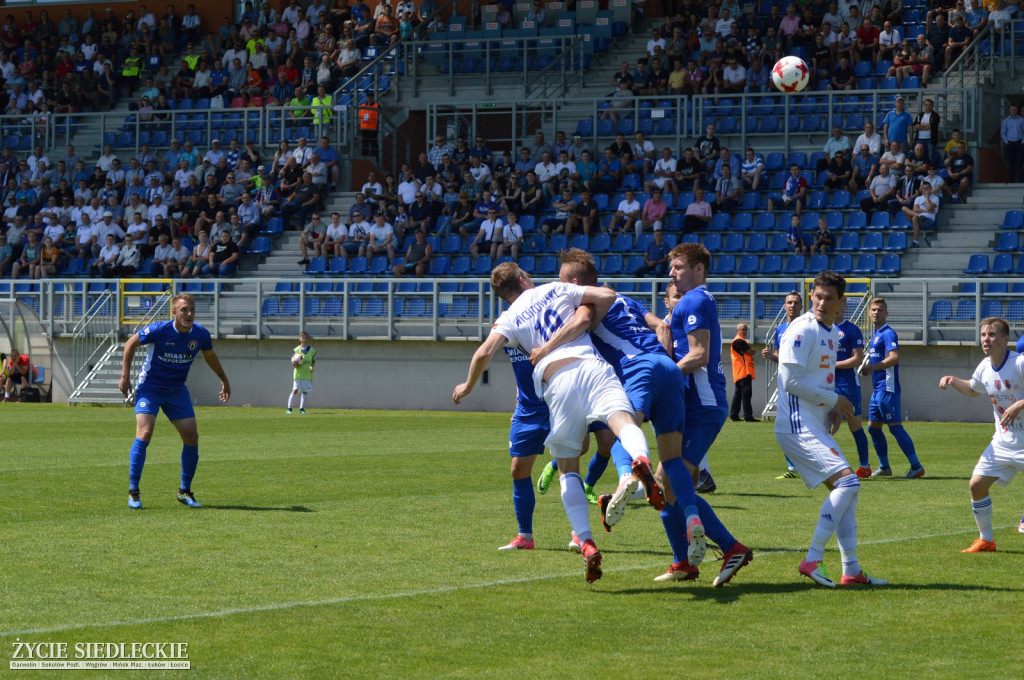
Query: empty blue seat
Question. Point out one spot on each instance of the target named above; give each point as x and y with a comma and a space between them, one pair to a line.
1013, 219
891, 265
942, 310
866, 264
1007, 242
977, 265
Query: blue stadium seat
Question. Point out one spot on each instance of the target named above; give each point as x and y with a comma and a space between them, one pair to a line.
873, 241
757, 243
772, 265
748, 265
1002, 265
777, 244
713, 242
966, 310
848, 242
547, 265
842, 263
734, 243
724, 265
1014, 219
795, 265
817, 263
1007, 242
896, 242
866, 264
891, 265
611, 265
977, 265
942, 310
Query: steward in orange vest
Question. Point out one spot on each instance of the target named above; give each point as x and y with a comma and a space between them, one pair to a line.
742, 375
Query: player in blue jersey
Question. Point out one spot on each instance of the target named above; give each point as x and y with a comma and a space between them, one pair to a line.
173, 347
530, 427
705, 482
794, 306
884, 369
849, 356
697, 346
636, 343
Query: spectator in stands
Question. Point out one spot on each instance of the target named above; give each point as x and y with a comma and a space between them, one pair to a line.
895, 159
728, 191
656, 257
336, 236
532, 200
489, 236
566, 175
867, 42
872, 139
959, 172
30, 254
707, 148
105, 260
18, 368
1011, 133
840, 172
536, 14
586, 168
794, 192
896, 124
907, 189
652, 218
223, 258
726, 159
664, 174
628, 212
128, 259
303, 200
643, 155
881, 190
696, 79
889, 42
865, 167
843, 77
677, 78
656, 45
689, 171
837, 142
959, 36
547, 174
922, 214
460, 217
619, 102
757, 76
919, 160
421, 214
823, 238
795, 236
926, 128
312, 236
417, 257
609, 173
564, 207
585, 215
511, 238
7, 258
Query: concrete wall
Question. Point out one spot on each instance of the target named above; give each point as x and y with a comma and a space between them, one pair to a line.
421, 376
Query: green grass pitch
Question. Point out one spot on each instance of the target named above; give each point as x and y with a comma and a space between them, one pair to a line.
358, 544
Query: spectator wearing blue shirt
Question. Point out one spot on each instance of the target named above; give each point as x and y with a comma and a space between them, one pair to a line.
896, 126
795, 236
329, 157
655, 257
1011, 132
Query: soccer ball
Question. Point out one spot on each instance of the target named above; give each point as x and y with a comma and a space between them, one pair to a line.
790, 74
297, 359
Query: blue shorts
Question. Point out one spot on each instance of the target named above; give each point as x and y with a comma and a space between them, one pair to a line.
885, 407
177, 404
527, 434
656, 386
597, 426
701, 429
851, 392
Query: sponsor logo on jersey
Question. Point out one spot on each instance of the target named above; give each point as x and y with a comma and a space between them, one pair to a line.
796, 342
830, 345
193, 345
829, 379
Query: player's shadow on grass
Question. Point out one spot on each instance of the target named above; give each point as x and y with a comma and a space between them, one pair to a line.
253, 508
735, 590
755, 495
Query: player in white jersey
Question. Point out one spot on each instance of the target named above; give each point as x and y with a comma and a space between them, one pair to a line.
1001, 376
575, 382
809, 412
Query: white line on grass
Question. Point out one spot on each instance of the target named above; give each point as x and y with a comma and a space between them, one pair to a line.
412, 593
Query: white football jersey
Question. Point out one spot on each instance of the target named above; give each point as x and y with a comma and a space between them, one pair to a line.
1004, 386
807, 366
536, 315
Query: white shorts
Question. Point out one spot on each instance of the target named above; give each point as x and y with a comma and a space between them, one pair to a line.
1000, 462
302, 385
815, 455
577, 395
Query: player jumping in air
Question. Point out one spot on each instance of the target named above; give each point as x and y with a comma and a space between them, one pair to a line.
1001, 376
809, 412
173, 345
577, 385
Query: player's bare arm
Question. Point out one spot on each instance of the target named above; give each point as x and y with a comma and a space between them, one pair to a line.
1011, 413
853, 362
697, 357
580, 322
481, 358
890, 360
213, 361
602, 300
959, 384
125, 383
662, 330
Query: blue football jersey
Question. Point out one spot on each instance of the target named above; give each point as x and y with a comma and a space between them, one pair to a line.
883, 342
695, 311
529, 402
850, 339
171, 354
780, 330
623, 334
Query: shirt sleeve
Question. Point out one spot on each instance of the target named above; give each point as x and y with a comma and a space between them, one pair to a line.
975, 382
892, 343
206, 341
794, 360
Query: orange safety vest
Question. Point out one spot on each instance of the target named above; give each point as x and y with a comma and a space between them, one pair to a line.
742, 364
368, 116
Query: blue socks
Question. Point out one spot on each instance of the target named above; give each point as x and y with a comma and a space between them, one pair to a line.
682, 485
881, 446
623, 461
136, 459
524, 500
597, 466
713, 527
789, 463
554, 464
675, 528
189, 461
906, 444
861, 440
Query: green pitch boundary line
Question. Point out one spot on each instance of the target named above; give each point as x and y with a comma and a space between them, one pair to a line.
417, 593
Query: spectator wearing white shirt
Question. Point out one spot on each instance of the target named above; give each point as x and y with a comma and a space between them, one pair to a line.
480, 172
336, 236
105, 258
302, 152
723, 27
488, 237
407, 188
511, 237
888, 41
628, 211
871, 139
656, 45
664, 174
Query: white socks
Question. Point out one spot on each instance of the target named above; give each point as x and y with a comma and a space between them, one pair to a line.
577, 507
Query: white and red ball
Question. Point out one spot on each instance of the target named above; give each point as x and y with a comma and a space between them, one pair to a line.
297, 359
790, 74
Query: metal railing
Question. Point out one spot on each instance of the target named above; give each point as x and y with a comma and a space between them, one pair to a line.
677, 120
924, 311
94, 333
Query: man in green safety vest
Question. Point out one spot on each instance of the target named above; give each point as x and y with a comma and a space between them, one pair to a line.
322, 109
132, 68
